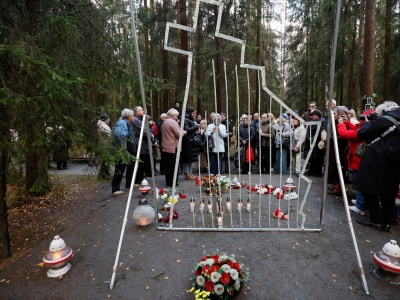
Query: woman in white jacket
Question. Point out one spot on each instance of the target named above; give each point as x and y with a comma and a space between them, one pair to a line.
217, 132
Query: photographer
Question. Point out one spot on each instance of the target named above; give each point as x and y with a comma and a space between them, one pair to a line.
378, 175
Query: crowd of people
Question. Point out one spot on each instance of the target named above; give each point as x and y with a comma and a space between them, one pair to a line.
273, 145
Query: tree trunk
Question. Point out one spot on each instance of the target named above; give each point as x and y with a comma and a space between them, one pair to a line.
358, 53
37, 181
388, 37
4, 235
218, 69
369, 48
182, 59
165, 103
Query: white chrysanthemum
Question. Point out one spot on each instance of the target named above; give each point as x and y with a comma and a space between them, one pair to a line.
210, 261
223, 258
200, 280
219, 289
202, 264
234, 274
163, 196
215, 276
237, 285
226, 268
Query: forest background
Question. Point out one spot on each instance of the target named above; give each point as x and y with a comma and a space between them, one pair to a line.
63, 62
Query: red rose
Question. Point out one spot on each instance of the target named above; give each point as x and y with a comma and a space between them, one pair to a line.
235, 266
209, 286
207, 271
225, 278
161, 191
215, 268
197, 272
215, 257
182, 196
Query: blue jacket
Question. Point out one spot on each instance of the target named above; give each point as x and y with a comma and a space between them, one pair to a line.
122, 135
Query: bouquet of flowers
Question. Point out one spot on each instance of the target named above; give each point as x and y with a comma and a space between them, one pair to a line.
214, 181
218, 276
165, 199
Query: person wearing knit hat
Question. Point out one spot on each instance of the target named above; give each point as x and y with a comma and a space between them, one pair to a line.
316, 112
285, 116
333, 176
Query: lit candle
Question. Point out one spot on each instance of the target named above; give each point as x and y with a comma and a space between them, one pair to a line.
209, 207
248, 205
202, 204
228, 204
219, 221
192, 204
240, 205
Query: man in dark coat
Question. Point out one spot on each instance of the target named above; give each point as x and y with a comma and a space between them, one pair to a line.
246, 138
317, 155
144, 168
378, 175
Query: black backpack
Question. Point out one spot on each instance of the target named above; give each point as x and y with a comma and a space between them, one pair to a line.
392, 146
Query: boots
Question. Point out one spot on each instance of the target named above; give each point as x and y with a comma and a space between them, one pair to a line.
374, 225
334, 189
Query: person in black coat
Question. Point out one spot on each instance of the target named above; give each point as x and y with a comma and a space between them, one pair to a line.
144, 168
190, 151
246, 138
378, 175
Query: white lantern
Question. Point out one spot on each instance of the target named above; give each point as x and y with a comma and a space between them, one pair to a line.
143, 214
57, 257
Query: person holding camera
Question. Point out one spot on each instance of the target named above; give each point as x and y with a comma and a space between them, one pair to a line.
378, 175
347, 130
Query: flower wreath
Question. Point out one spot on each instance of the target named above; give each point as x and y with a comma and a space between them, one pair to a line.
165, 199
218, 276
212, 181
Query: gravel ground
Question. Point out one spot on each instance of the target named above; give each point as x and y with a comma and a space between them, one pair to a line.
157, 264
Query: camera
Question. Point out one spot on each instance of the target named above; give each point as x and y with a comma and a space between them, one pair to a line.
370, 116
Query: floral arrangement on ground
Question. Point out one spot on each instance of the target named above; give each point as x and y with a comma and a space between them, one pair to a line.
218, 276
214, 181
165, 199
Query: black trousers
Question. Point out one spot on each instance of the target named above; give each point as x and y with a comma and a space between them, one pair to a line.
169, 167
381, 208
119, 172
226, 159
144, 168
265, 159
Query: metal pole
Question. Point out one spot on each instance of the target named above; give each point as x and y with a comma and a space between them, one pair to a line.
138, 150
346, 206
330, 120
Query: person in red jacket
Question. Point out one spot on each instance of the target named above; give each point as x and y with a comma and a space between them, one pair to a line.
347, 130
